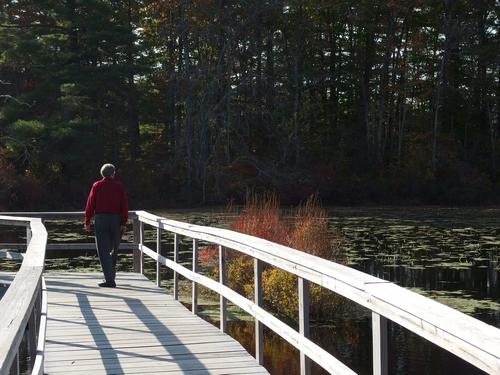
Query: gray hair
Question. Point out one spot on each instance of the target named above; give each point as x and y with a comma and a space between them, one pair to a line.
107, 170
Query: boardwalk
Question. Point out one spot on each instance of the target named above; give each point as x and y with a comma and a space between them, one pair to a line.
137, 328
133, 329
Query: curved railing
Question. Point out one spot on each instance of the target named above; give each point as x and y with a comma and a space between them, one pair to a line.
460, 334
23, 308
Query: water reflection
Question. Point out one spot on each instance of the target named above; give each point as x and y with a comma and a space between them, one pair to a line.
350, 342
412, 355
279, 356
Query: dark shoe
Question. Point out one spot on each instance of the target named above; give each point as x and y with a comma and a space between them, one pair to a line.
107, 285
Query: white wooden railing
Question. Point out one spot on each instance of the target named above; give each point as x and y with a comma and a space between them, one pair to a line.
462, 335
23, 308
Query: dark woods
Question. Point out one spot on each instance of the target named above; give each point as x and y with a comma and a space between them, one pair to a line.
197, 101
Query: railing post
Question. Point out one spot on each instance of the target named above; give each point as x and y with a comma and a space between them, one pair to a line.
136, 252
14, 368
379, 335
305, 362
259, 328
38, 304
42, 329
141, 242
158, 251
28, 235
176, 260
194, 299
222, 280
32, 337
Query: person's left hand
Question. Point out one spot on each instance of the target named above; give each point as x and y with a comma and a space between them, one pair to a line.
86, 227
123, 229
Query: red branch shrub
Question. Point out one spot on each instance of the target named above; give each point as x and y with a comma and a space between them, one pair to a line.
306, 231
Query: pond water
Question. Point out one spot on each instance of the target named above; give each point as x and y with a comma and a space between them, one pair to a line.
448, 254
451, 255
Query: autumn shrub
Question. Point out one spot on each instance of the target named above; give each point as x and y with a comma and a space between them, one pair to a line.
311, 233
262, 217
239, 273
279, 289
306, 231
208, 256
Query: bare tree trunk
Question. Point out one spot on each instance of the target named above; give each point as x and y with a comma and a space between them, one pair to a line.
169, 131
296, 105
180, 83
270, 73
203, 154
258, 73
188, 141
227, 112
486, 121
493, 122
334, 96
132, 118
365, 88
297, 85
369, 52
402, 114
353, 84
384, 81
450, 29
402, 106
435, 121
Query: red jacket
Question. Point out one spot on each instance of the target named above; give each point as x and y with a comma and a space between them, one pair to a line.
107, 196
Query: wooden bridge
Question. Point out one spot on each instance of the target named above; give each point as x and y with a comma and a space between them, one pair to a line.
63, 323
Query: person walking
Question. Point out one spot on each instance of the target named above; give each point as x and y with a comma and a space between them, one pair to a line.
107, 201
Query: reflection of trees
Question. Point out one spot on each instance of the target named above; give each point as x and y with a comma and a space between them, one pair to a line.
410, 354
493, 272
279, 356
347, 339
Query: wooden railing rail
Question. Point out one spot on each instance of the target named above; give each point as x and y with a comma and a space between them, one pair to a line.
49, 214
23, 308
53, 215
460, 334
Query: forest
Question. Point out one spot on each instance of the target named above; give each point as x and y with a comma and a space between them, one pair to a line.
196, 102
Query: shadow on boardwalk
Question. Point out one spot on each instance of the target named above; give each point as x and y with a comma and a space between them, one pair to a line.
135, 329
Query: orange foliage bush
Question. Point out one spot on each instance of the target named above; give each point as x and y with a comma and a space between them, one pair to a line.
308, 231
262, 217
311, 233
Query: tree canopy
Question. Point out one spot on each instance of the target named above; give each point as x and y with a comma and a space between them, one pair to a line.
198, 101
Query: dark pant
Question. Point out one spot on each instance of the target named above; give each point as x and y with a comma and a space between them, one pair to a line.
107, 239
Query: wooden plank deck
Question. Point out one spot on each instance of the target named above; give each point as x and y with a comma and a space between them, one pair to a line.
133, 329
